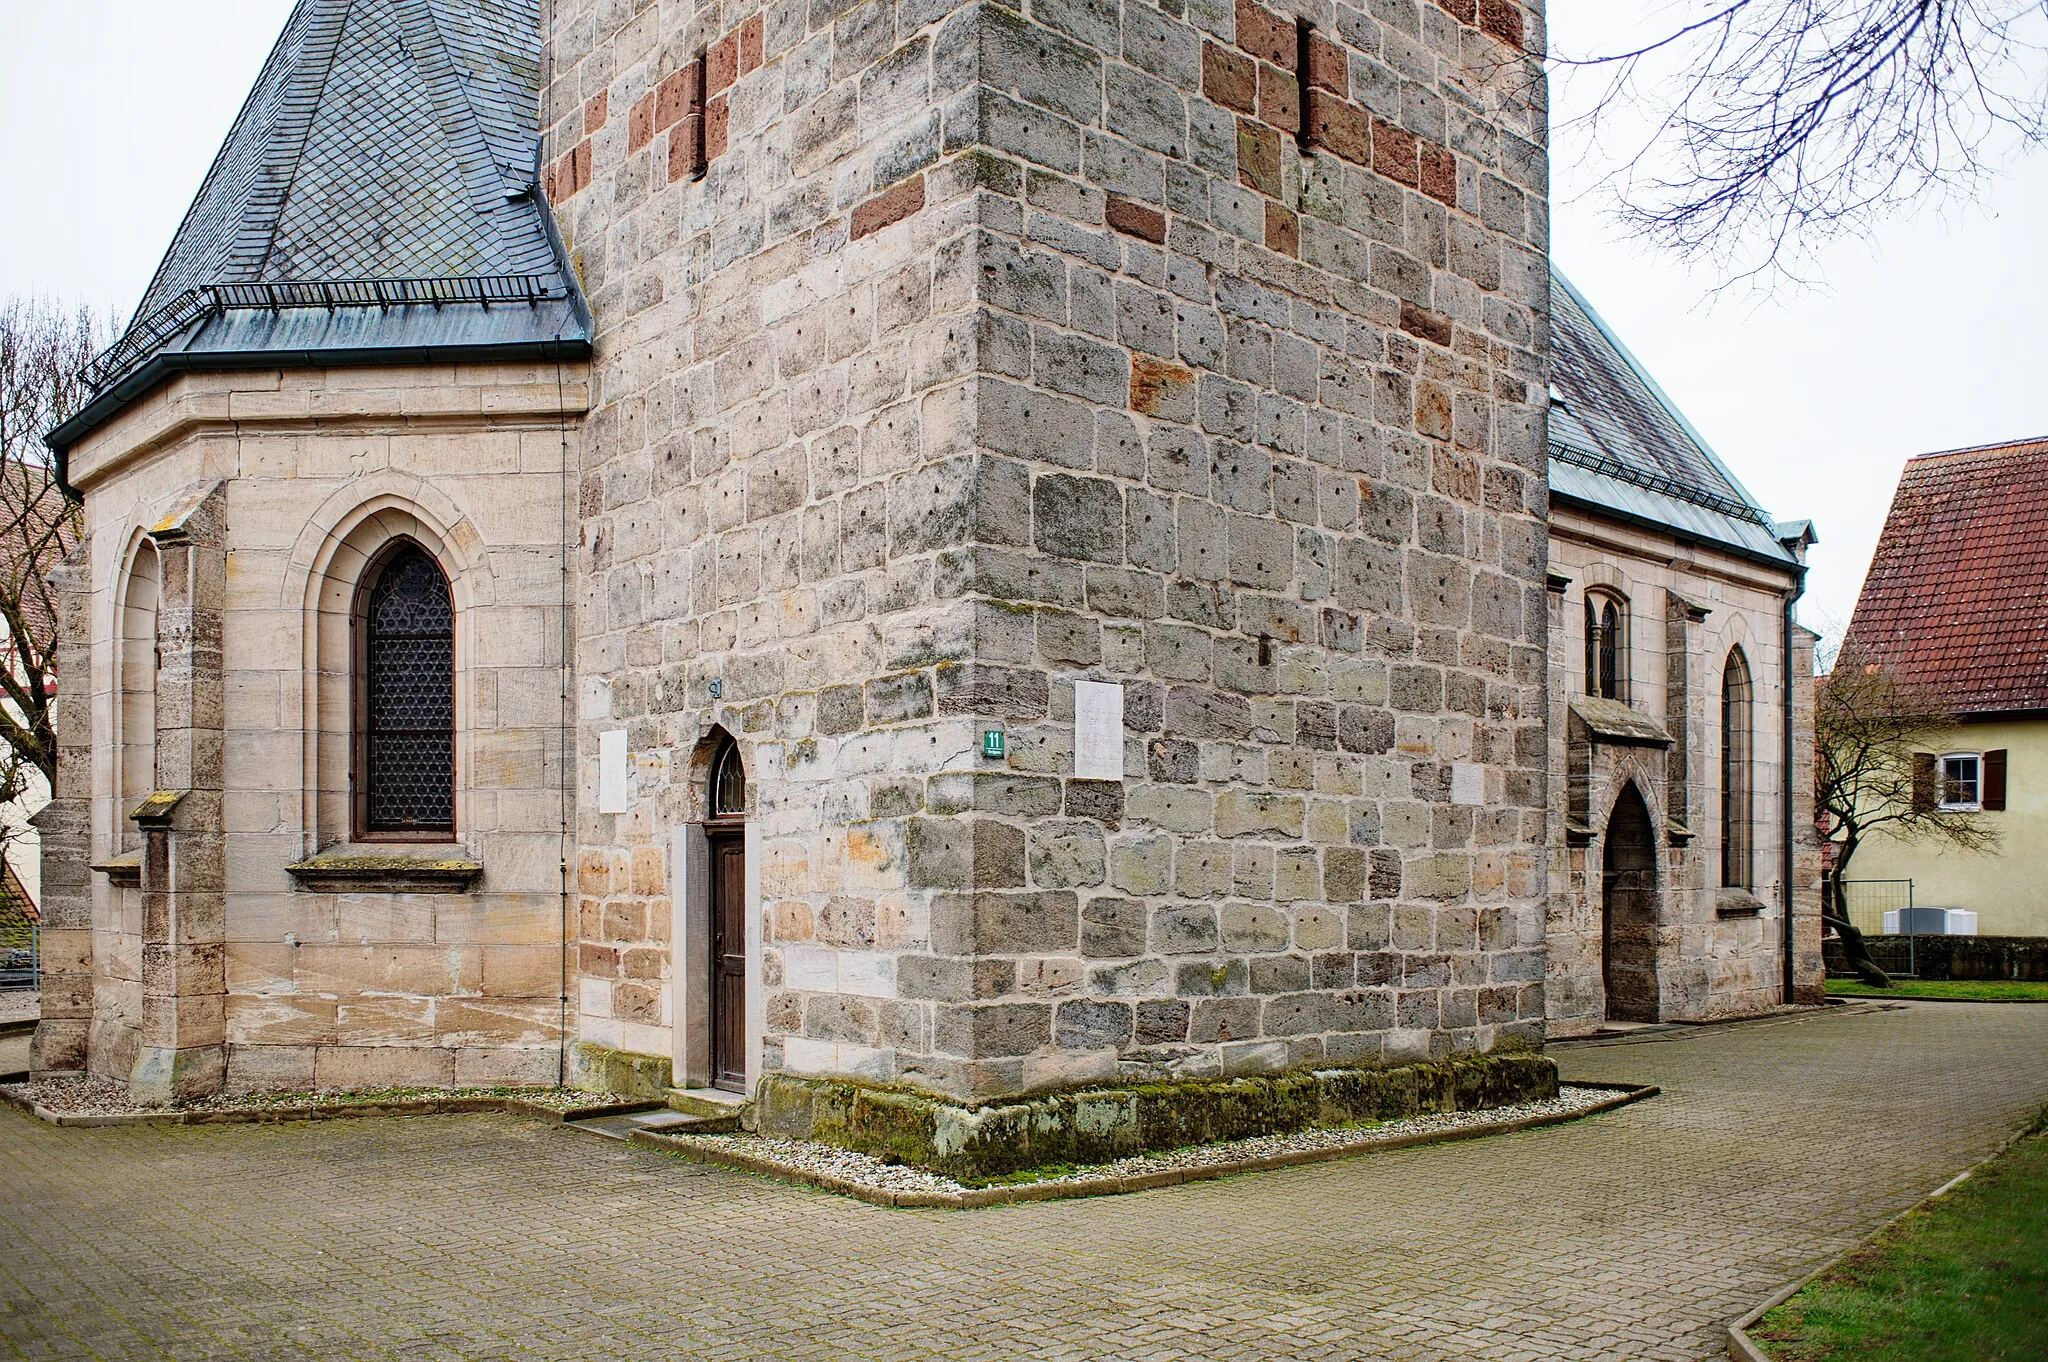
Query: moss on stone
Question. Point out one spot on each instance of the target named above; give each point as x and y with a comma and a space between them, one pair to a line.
1097, 1125
599, 1068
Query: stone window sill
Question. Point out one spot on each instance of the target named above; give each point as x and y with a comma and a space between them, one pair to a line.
387, 873
1737, 903
125, 870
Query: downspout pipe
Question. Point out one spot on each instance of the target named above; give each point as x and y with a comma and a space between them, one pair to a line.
1788, 890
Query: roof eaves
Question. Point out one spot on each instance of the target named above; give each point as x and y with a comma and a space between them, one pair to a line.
1781, 561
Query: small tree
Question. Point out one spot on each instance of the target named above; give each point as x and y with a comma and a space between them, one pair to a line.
1872, 732
42, 350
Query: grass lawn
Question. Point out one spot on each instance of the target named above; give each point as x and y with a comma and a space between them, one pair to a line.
1963, 1280
1938, 988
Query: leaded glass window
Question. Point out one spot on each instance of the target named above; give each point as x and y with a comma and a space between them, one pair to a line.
407, 690
1606, 648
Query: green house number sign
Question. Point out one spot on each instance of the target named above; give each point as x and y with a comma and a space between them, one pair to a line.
992, 742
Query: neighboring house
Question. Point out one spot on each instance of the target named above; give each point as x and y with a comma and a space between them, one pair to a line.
1956, 601
1681, 687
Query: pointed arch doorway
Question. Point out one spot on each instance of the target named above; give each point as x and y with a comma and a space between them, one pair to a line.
725, 838
1628, 911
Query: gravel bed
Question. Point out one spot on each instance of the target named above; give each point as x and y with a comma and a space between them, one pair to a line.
94, 1096
802, 1156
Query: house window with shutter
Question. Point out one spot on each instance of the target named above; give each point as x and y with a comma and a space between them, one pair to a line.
1961, 777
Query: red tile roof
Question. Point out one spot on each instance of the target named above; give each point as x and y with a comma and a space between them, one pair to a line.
1957, 596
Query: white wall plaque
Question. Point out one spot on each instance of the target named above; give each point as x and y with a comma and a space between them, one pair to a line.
611, 771
1468, 783
1098, 730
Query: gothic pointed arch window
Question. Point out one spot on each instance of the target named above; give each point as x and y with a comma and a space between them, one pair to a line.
136, 698
404, 770
1738, 755
728, 783
1606, 646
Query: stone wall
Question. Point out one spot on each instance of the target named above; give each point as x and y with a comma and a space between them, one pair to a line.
1720, 949
999, 351
307, 472
1951, 957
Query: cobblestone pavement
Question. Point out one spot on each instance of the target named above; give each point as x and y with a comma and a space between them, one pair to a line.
1629, 1235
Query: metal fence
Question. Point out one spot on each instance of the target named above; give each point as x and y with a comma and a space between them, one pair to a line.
19, 936
1870, 900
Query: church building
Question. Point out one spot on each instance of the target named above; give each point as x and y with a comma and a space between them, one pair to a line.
926, 545
1684, 866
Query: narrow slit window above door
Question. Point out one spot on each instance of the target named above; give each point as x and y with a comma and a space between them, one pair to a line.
1606, 647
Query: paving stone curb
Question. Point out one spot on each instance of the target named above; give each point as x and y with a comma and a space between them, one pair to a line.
2035, 1001
323, 1111
1690, 1030
1624, 1094
1742, 1348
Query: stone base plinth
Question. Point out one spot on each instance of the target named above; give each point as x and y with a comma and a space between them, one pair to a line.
599, 1068
1096, 1125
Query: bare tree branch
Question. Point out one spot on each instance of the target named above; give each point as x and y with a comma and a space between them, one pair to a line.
1869, 726
1763, 128
42, 351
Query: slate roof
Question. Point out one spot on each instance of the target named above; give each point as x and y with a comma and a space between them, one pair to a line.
1618, 444
376, 199
1957, 593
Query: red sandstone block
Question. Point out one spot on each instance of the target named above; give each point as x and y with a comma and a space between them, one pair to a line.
1339, 127
1393, 153
1258, 157
1279, 98
572, 172
1154, 382
683, 147
1229, 78
1432, 411
891, 205
717, 124
1464, 11
640, 121
750, 45
596, 111
1425, 324
1265, 34
1283, 230
1328, 65
679, 96
722, 64
1439, 177
1135, 219
1501, 19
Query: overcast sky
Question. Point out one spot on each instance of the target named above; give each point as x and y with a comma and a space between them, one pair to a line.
1926, 337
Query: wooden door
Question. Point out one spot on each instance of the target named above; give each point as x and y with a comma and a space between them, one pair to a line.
728, 961
1629, 911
